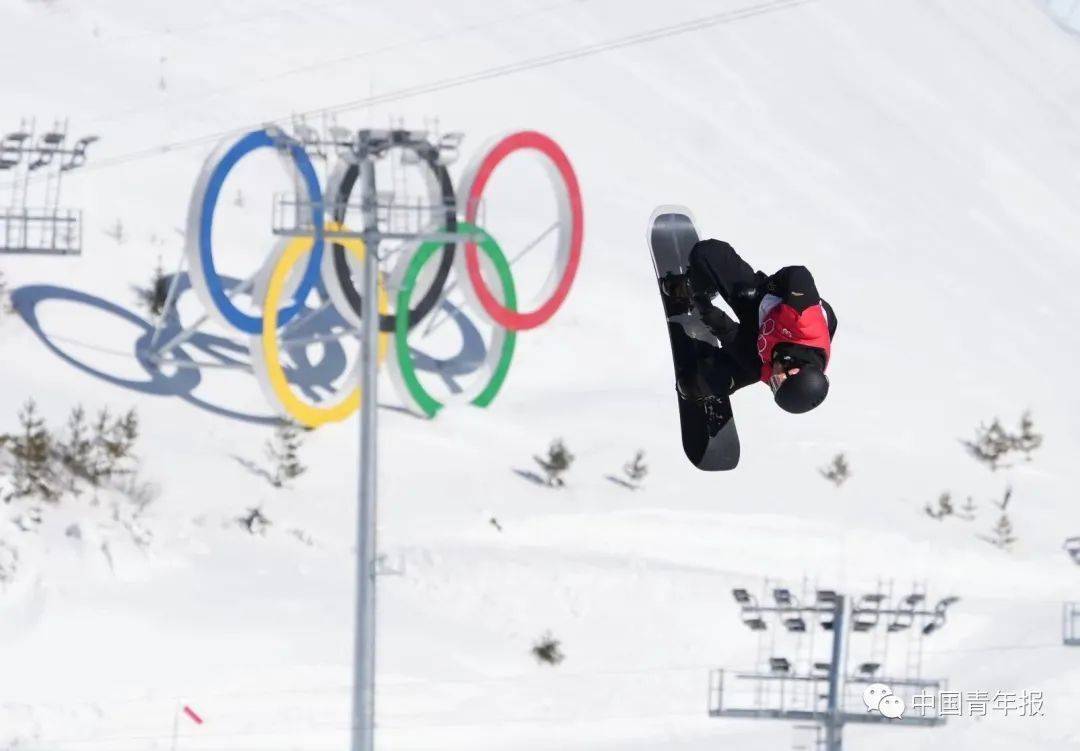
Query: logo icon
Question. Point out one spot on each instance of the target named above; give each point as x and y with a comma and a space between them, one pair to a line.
873, 695
892, 707
879, 698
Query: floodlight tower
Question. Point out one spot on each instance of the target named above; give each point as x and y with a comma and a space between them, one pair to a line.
831, 612
44, 230
1070, 611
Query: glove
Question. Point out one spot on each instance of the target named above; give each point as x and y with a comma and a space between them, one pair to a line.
752, 292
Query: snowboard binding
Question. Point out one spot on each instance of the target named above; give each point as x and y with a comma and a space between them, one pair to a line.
676, 287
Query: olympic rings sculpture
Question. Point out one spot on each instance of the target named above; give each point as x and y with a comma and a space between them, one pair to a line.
300, 266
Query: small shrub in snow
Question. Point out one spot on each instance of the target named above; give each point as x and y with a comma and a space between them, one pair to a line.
302, 536
1002, 534
9, 561
116, 438
548, 650
117, 232
40, 466
993, 444
153, 296
837, 471
76, 450
635, 469
1027, 440
283, 451
944, 507
967, 511
102, 450
558, 460
34, 472
254, 521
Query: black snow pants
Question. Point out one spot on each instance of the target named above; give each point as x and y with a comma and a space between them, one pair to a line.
715, 268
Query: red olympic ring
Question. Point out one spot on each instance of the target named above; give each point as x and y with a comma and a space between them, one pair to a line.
499, 313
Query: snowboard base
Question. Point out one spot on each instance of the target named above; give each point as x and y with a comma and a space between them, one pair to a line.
709, 437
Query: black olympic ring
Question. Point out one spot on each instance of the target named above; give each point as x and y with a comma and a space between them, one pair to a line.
429, 155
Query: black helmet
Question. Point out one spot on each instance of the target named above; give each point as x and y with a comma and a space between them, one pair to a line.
802, 391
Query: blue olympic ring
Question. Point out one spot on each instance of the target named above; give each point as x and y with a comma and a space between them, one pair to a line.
252, 141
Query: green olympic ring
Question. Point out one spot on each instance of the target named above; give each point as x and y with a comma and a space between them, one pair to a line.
427, 403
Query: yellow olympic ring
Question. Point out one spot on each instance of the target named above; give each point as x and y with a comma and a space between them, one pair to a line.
308, 414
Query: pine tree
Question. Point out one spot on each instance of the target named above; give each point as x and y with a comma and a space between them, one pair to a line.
548, 649
1027, 440
124, 433
1002, 534
557, 462
32, 449
154, 296
254, 521
636, 469
944, 507
9, 562
991, 444
284, 452
76, 452
837, 471
968, 510
111, 445
116, 232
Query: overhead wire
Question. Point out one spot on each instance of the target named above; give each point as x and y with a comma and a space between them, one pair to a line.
411, 43
485, 74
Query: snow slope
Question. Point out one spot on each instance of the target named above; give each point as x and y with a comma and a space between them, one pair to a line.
920, 157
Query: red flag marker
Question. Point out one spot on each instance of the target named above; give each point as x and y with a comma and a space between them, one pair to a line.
191, 713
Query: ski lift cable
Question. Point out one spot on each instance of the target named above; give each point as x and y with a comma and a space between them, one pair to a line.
410, 44
486, 74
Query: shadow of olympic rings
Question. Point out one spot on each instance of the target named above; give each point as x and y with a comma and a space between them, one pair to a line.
312, 377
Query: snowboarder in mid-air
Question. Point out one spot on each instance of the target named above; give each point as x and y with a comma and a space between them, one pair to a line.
783, 336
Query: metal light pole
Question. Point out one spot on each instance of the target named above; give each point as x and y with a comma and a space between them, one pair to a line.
361, 148
363, 710
834, 727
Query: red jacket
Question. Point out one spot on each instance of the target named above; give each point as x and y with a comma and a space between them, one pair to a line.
781, 322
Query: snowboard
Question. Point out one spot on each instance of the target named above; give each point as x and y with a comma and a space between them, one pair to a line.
709, 437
